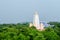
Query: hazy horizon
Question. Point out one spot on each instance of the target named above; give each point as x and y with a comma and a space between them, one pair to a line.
16, 11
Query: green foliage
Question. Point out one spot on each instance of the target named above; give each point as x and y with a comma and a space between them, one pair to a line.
50, 34
56, 24
24, 32
56, 27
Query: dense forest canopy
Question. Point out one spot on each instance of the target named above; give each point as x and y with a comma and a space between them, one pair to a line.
24, 32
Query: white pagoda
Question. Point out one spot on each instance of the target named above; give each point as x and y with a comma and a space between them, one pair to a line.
36, 22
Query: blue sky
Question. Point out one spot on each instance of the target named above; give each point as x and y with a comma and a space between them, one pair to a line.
15, 11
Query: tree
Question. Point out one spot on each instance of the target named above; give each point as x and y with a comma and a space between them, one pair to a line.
49, 34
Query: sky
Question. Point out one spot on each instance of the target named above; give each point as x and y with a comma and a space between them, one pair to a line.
17, 11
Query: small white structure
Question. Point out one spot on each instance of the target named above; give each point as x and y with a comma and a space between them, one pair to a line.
30, 25
36, 22
42, 26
